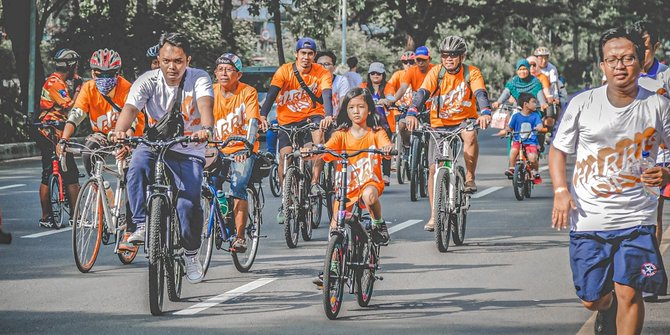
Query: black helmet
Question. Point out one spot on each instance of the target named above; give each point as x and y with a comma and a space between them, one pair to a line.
453, 44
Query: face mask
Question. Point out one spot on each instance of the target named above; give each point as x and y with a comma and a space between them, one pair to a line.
105, 85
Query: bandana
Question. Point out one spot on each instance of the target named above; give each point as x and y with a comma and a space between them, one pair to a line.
106, 85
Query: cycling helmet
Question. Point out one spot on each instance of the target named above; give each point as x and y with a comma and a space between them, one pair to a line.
453, 44
105, 60
66, 58
153, 51
541, 51
407, 55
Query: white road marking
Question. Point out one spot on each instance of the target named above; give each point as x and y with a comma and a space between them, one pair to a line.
544, 168
221, 298
403, 225
485, 192
11, 186
46, 233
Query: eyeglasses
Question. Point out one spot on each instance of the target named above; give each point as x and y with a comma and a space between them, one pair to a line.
228, 69
533, 65
106, 74
627, 60
410, 62
451, 54
325, 64
375, 74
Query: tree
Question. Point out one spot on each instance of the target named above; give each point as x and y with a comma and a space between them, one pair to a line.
227, 33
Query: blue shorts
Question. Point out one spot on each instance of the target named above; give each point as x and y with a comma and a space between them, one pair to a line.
626, 256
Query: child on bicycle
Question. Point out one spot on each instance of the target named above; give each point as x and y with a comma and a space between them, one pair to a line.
523, 124
358, 130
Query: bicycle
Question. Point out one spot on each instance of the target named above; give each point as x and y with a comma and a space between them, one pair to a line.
352, 256
275, 187
522, 178
401, 161
418, 160
58, 197
96, 216
302, 212
450, 201
219, 227
163, 231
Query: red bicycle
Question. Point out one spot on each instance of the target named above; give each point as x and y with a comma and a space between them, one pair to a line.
57, 195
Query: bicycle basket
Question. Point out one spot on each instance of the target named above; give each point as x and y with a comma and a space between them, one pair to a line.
262, 167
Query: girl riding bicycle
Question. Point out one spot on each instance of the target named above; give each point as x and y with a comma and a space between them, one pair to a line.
358, 130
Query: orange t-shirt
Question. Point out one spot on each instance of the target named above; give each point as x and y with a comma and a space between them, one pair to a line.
457, 97
395, 83
102, 115
414, 77
364, 169
544, 80
293, 103
390, 117
55, 99
232, 114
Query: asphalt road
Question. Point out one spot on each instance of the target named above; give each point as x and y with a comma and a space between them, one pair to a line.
511, 276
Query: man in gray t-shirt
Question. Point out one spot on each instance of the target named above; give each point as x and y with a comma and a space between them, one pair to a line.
610, 202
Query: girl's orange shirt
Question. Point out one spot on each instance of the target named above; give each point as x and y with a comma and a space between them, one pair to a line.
364, 169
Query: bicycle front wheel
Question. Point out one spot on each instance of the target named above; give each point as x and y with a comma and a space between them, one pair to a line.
275, 187
244, 261
173, 261
334, 276
399, 170
158, 215
291, 207
88, 226
459, 220
57, 206
207, 235
441, 211
414, 169
518, 181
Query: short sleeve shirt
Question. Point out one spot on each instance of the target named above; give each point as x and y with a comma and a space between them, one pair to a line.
364, 169
458, 101
340, 89
544, 80
414, 77
609, 142
152, 93
55, 99
525, 123
232, 114
293, 103
395, 82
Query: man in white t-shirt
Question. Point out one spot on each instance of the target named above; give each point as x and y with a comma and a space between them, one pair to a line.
609, 202
156, 92
327, 59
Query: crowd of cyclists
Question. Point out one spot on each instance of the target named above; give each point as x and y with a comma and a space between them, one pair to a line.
352, 113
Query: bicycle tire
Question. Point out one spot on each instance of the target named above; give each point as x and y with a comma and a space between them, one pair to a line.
275, 188
208, 232
57, 206
173, 261
399, 166
329, 196
365, 278
440, 211
423, 172
460, 221
88, 223
316, 212
157, 216
414, 169
291, 207
518, 183
126, 257
528, 185
252, 231
333, 281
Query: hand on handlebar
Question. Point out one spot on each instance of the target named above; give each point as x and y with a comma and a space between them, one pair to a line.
412, 123
117, 136
264, 123
483, 121
495, 105
325, 123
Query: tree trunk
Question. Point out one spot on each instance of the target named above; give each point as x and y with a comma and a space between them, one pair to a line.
575, 41
276, 18
227, 34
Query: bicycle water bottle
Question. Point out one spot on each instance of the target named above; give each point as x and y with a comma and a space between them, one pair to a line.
223, 202
108, 191
646, 163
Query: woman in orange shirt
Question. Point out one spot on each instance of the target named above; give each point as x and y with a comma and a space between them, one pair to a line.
358, 131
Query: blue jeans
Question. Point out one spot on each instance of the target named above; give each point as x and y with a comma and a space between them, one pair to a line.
240, 173
187, 178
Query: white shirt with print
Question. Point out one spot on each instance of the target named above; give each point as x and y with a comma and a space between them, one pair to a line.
340, 89
609, 142
151, 90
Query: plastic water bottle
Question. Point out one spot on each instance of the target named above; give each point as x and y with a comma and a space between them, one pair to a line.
108, 191
646, 163
223, 202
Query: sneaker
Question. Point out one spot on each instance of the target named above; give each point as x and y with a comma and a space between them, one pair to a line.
316, 190
380, 233
470, 187
194, 272
240, 245
280, 215
430, 226
47, 223
124, 245
649, 297
138, 236
318, 281
509, 173
606, 320
387, 180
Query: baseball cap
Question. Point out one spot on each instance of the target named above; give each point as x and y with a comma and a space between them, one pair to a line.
305, 43
422, 52
376, 67
230, 58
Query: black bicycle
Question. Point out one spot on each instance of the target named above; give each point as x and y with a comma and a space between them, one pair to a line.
352, 256
418, 160
302, 211
400, 162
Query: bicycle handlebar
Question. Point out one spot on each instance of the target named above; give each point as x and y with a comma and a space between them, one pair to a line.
309, 126
344, 154
223, 144
157, 144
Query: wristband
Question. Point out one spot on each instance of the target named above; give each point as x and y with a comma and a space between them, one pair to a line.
486, 112
560, 190
412, 111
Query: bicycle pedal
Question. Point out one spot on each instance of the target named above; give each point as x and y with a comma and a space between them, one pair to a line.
379, 277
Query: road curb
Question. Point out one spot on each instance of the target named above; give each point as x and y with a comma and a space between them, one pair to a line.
12, 151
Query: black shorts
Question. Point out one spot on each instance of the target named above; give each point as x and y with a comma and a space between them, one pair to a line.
71, 176
283, 139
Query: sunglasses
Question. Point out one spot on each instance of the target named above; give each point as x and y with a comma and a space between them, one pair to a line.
108, 74
533, 65
451, 54
325, 64
410, 62
375, 74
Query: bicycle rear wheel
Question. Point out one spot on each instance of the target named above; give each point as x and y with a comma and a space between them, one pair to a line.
173, 261
518, 181
207, 236
252, 231
88, 226
399, 164
291, 207
441, 211
423, 172
414, 169
365, 278
460, 219
275, 188
334, 276
158, 215
57, 206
